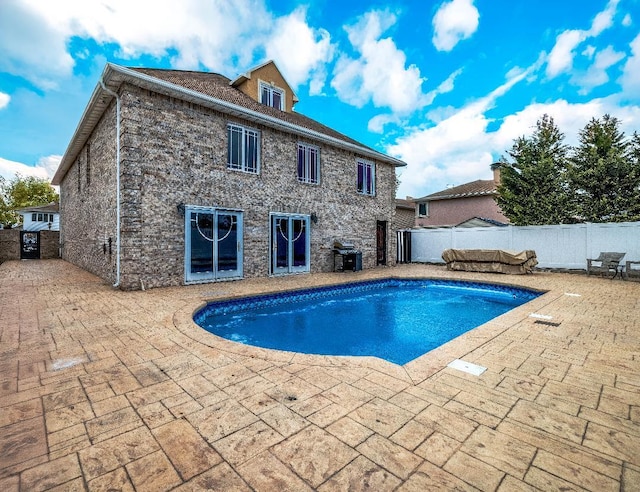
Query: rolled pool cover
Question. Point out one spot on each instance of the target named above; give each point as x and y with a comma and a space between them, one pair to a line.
490, 260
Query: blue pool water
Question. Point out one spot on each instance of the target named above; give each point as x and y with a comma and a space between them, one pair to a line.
397, 320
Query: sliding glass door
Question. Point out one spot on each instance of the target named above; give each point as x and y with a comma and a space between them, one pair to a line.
213, 244
290, 239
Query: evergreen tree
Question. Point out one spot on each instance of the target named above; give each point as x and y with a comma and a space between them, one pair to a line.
604, 176
533, 189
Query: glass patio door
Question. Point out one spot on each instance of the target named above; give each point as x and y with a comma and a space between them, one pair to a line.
290, 241
213, 244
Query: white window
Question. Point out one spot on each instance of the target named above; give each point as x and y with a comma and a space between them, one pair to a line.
308, 164
366, 183
271, 95
423, 209
243, 149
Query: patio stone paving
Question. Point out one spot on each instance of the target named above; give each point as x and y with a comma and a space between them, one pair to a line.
108, 390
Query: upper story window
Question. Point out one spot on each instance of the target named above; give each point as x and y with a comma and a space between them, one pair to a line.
308, 164
423, 209
271, 95
243, 149
366, 177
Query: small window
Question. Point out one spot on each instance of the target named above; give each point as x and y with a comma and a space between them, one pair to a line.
50, 217
243, 149
40, 218
366, 178
34, 217
423, 209
308, 164
272, 96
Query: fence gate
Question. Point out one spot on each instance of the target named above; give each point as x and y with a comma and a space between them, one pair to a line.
29, 245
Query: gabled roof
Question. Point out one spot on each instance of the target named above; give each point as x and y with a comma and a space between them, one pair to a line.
50, 208
405, 204
218, 86
209, 90
481, 187
240, 79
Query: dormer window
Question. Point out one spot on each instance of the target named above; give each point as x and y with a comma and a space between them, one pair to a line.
271, 95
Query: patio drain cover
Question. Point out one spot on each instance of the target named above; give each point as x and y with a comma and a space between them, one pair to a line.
467, 367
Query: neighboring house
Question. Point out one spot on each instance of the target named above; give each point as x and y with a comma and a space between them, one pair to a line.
405, 213
456, 205
40, 218
178, 177
481, 222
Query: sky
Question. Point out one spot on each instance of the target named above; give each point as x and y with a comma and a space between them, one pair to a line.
446, 86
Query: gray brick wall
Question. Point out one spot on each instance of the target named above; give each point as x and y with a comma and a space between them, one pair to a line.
88, 207
175, 152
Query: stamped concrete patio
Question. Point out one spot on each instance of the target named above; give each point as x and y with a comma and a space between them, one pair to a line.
110, 390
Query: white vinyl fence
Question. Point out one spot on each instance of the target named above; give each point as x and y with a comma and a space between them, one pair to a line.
556, 246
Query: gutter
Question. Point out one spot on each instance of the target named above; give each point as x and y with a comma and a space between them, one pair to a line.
114, 94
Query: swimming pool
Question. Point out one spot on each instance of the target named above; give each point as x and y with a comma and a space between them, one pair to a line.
394, 319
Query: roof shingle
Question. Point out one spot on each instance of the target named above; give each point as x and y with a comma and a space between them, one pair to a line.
219, 87
480, 187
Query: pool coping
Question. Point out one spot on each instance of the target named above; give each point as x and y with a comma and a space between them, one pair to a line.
414, 371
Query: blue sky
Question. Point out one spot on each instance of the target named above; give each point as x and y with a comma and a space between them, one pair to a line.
444, 85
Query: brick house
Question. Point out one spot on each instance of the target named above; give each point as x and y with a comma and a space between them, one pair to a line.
178, 177
470, 203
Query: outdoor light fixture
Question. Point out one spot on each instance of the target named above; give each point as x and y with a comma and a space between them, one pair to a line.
314, 218
181, 208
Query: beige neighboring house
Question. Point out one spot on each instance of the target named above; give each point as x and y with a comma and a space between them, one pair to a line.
468, 205
178, 177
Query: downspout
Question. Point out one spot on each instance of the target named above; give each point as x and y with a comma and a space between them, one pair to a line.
110, 92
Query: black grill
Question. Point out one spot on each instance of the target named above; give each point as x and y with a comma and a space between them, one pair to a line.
350, 257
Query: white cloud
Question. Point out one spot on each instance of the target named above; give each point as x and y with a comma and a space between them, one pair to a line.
32, 47
631, 71
378, 122
219, 35
456, 150
453, 22
380, 74
596, 74
461, 144
561, 57
604, 20
45, 168
4, 100
562, 54
626, 21
301, 51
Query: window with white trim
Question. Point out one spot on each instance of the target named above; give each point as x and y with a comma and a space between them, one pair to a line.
366, 183
271, 95
308, 164
423, 209
41, 217
243, 149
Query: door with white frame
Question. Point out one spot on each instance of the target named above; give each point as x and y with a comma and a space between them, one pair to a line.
213, 244
290, 243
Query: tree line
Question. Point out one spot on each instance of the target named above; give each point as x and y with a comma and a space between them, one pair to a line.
545, 181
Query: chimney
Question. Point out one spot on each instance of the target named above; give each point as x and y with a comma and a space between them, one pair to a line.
496, 173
